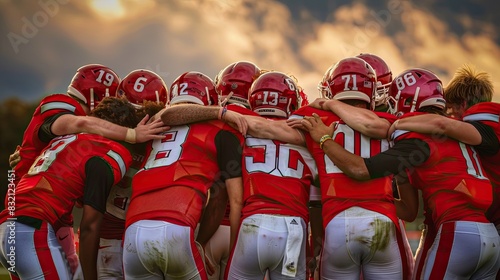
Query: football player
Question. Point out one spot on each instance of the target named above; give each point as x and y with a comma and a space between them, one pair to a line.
232, 84
455, 191
146, 91
277, 177
170, 192
468, 97
362, 211
76, 167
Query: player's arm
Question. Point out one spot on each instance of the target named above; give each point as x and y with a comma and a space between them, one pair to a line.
439, 125
212, 214
360, 119
63, 124
210, 220
188, 113
254, 125
276, 130
229, 158
191, 113
407, 202
98, 182
393, 161
316, 221
235, 194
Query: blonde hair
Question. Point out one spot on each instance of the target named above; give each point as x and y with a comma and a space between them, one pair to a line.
470, 86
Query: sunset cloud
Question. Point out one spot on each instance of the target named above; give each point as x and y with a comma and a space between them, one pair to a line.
48, 40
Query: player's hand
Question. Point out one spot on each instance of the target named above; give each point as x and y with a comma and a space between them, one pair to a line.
209, 266
296, 123
313, 267
15, 158
318, 103
145, 132
238, 119
316, 128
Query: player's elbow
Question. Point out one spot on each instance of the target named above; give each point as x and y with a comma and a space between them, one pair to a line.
441, 125
377, 129
70, 124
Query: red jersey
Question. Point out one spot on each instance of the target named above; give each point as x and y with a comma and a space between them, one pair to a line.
179, 170
338, 191
451, 179
276, 177
488, 113
57, 178
32, 145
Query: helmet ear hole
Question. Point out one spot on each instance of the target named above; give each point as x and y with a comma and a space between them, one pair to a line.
408, 101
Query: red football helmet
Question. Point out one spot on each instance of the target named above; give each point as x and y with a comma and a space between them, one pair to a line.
237, 78
92, 83
193, 87
384, 76
274, 94
140, 85
414, 89
350, 78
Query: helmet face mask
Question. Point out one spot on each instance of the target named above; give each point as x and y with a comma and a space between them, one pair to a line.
413, 90
92, 83
235, 81
141, 85
274, 94
193, 87
349, 79
384, 77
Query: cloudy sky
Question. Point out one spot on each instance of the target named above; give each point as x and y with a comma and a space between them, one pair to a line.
45, 41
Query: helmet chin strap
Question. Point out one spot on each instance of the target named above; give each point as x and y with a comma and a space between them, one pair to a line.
415, 98
91, 98
223, 103
288, 112
107, 92
157, 97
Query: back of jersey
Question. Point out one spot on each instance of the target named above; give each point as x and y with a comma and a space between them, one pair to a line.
452, 180
187, 157
338, 191
276, 177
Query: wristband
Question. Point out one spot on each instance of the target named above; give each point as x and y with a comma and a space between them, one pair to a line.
323, 139
131, 136
222, 112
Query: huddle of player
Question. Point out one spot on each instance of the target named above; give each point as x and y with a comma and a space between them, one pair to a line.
241, 178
